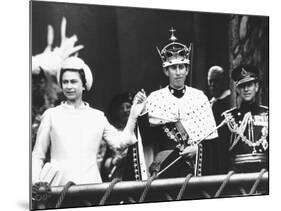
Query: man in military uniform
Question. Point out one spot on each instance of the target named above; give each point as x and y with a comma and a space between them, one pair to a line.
248, 123
178, 117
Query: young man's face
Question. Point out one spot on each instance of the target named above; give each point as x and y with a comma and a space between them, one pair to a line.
248, 91
72, 86
177, 74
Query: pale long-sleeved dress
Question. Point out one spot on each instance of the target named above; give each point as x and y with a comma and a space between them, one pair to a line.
74, 135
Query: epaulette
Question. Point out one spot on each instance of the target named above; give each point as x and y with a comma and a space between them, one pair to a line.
263, 109
266, 107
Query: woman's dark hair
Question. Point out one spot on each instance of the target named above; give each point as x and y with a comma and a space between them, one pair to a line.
80, 71
113, 108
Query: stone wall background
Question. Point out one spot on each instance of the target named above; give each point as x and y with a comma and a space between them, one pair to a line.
249, 44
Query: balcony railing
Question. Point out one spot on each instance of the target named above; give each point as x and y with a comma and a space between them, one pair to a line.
152, 190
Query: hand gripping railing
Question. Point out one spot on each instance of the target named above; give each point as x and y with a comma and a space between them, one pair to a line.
168, 189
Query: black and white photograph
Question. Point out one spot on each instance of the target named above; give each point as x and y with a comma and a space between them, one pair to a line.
142, 105
137, 105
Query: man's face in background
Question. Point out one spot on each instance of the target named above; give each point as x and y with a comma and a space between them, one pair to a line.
216, 82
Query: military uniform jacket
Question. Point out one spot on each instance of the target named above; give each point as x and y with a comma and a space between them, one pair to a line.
249, 130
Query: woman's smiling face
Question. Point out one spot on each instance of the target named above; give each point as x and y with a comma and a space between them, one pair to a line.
72, 86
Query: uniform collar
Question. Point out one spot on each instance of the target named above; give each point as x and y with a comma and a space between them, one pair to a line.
245, 106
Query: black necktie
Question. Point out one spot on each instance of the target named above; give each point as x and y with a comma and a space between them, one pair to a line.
177, 92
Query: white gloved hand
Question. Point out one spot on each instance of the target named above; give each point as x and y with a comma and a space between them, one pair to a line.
138, 104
